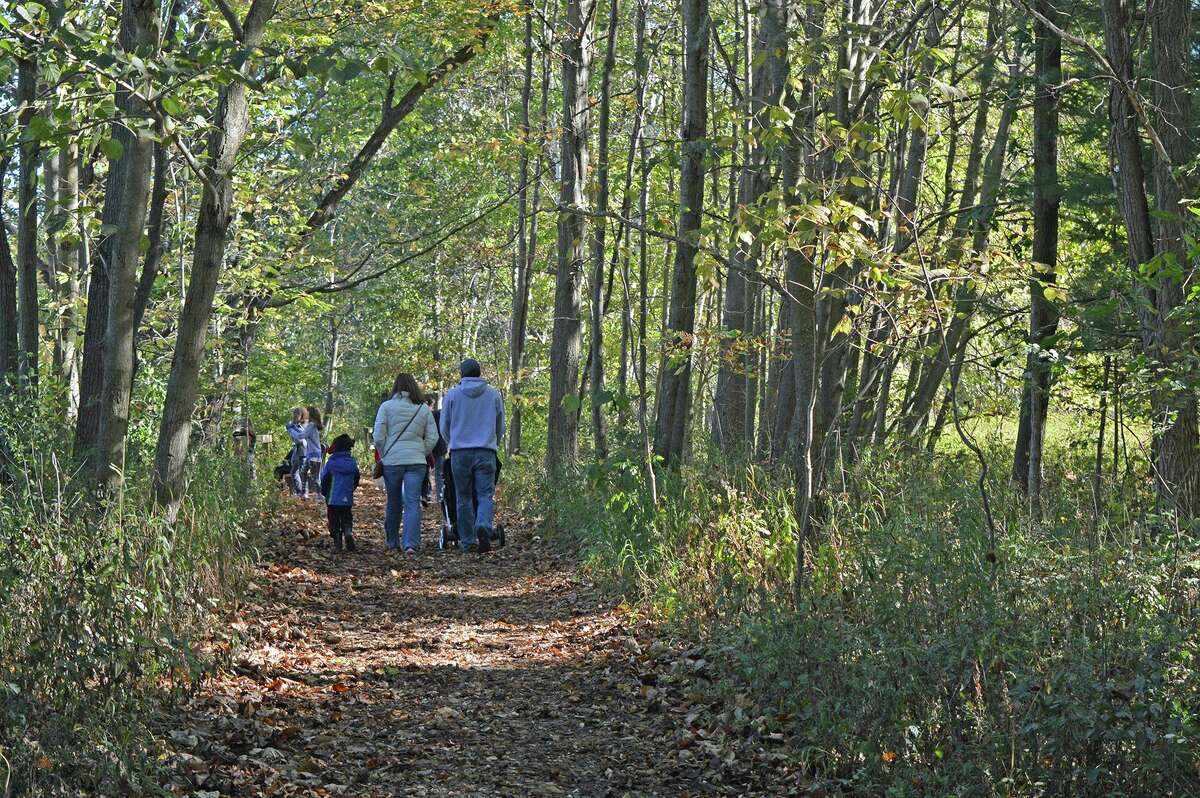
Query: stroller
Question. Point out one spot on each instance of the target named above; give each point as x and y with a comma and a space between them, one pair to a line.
448, 538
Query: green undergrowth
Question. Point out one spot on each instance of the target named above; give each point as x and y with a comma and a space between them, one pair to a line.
914, 662
99, 613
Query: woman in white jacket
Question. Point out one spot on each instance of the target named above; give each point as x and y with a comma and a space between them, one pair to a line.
404, 435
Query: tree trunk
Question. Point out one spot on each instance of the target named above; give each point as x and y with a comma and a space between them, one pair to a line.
643, 302
139, 32
212, 231
526, 241
733, 396
1175, 409
674, 405
599, 230
91, 375
9, 343
27, 223
1174, 412
1043, 315
562, 435
641, 76
71, 261
911, 156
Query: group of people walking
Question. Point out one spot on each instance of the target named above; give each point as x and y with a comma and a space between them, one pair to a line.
411, 438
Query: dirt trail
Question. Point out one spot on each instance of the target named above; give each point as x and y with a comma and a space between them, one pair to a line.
504, 674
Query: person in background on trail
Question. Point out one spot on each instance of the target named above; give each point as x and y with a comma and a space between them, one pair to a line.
433, 476
405, 434
339, 480
310, 476
473, 425
295, 429
244, 439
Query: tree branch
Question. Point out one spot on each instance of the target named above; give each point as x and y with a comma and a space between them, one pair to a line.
235, 27
391, 117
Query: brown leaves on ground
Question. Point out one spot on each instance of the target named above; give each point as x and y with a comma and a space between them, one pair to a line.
368, 674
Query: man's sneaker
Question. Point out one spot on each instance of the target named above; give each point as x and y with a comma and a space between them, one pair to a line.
485, 539
349, 542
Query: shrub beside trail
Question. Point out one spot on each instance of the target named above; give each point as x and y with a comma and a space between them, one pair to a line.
911, 665
100, 614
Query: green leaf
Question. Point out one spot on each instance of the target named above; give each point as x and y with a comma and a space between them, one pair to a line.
40, 128
571, 402
112, 148
173, 107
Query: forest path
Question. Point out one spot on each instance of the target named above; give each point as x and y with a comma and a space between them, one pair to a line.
503, 674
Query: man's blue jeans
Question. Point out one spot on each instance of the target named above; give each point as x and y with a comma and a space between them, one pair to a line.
403, 484
474, 473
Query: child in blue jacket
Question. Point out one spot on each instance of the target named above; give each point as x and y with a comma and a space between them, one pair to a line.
339, 479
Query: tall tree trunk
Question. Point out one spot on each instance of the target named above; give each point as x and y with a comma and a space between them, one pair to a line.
1178, 466
526, 241
599, 230
837, 288
805, 428
156, 225
91, 374
643, 307
1174, 413
782, 388
71, 261
27, 222
9, 343
733, 397
641, 76
212, 231
563, 433
1043, 315
674, 405
139, 32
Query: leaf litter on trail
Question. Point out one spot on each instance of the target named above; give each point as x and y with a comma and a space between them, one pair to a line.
504, 674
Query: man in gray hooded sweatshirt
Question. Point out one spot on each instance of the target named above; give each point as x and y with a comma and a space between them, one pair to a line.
473, 425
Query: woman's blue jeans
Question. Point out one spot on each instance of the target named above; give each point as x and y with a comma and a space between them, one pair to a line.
403, 484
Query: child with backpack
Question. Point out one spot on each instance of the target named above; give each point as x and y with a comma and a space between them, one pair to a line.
339, 479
